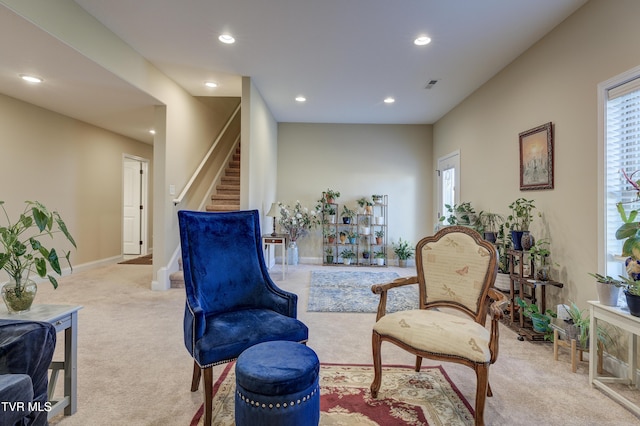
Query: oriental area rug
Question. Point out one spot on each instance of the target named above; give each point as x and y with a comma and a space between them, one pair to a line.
350, 291
406, 397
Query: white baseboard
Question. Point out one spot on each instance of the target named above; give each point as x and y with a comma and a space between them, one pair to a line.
618, 368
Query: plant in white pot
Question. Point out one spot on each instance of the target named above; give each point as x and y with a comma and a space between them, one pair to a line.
608, 289
24, 252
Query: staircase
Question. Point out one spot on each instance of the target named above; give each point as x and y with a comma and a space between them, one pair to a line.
227, 196
226, 199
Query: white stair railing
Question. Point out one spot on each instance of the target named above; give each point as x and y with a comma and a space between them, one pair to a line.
187, 187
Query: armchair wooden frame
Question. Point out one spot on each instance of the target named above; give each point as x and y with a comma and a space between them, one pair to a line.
490, 301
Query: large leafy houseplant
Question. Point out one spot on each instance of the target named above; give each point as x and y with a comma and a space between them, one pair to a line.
24, 252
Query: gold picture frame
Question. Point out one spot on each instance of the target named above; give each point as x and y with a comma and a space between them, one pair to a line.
536, 158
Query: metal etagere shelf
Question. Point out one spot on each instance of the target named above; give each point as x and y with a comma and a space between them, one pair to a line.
364, 235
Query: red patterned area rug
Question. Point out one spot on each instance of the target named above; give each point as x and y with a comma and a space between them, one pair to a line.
427, 397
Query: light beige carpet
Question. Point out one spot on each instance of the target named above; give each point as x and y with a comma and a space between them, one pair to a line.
133, 368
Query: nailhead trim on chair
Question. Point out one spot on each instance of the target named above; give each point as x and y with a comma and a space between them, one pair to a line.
278, 405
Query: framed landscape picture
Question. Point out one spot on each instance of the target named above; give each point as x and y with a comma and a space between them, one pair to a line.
536, 158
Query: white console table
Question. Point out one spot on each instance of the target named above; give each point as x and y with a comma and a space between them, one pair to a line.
624, 320
64, 318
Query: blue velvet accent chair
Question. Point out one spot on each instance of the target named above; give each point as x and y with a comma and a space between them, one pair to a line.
232, 303
26, 350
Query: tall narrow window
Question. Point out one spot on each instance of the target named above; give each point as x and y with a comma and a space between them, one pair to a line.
622, 152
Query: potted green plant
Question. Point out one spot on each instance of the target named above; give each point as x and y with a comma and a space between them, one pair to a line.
329, 254
539, 319
379, 235
329, 234
403, 251
352, 236
379, 256
366, 254
366, 204
503, 244
540, 253
347, 256
520, 219
330, 211
578, 325
330, 195
364, 222
377, 199
490, 224
608, 289
629, 231
347, 215
24, 252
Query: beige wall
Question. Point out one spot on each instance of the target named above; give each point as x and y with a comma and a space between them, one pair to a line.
359, 160
555, 81
185, 126
259, 161
71, 167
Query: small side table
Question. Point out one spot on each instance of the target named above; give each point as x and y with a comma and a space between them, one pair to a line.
277, 240
64, 318
622, 319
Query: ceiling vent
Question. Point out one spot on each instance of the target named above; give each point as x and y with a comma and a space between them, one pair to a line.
430, 84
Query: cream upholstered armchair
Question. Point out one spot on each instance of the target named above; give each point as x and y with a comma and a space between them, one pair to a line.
456, 271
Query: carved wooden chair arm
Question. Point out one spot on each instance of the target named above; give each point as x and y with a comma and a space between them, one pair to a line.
500, 300
496, 311
382, 289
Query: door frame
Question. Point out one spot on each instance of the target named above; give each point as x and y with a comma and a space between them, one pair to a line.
452, 159
144, 202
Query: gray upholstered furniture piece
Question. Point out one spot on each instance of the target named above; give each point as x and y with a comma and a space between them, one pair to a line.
26, 350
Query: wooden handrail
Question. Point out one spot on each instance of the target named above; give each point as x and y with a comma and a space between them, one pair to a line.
187, 187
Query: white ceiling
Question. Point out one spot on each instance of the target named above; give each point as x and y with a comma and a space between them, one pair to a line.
344, 56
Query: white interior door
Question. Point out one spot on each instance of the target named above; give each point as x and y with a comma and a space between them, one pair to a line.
132, 215
448, 181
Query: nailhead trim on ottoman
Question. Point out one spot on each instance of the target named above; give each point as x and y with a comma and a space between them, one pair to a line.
277, 385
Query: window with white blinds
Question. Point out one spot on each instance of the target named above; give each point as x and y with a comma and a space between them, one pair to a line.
622, 152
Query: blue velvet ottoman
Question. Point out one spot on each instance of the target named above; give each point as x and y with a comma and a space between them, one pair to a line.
277, 385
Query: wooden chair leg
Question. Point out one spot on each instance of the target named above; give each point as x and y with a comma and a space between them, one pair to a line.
418, 363
482, 375
208, 395
376, 342
195, 381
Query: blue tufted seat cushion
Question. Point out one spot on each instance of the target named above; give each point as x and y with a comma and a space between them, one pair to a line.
236, 331
277, 368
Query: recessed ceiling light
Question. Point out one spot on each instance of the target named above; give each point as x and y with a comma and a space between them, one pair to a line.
227, 39
422, 41
300, 99
153, 132
31, 78
389, 100
211, 84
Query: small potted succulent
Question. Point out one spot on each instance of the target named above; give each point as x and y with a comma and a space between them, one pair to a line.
379, 235
24, 252
366, 204
379, 256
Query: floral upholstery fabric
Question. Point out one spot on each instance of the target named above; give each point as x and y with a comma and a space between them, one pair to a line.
437, 332
455, 268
